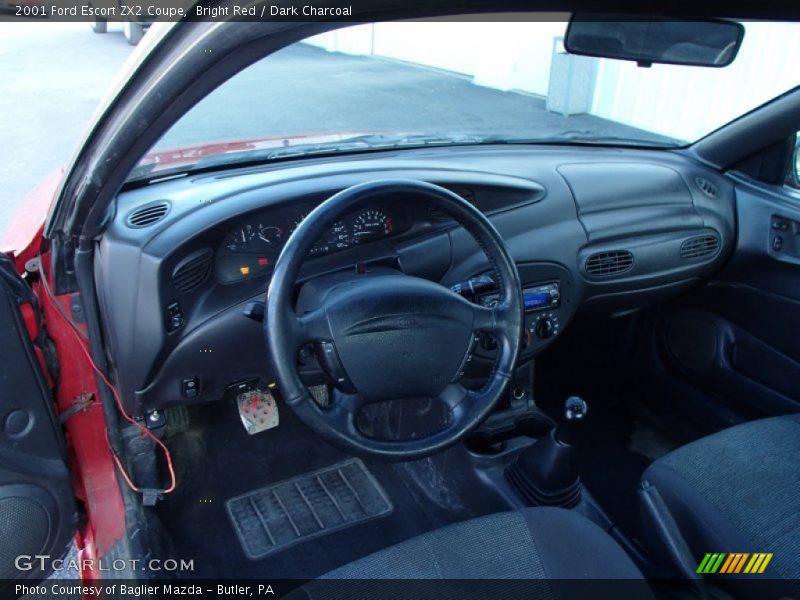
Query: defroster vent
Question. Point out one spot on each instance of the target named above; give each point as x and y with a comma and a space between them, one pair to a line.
147, 215
612, 262
699, 246
192, 270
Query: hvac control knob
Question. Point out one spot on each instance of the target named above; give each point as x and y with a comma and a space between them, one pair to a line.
545, 328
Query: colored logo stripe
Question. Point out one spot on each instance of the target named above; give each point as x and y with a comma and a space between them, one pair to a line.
758, 563
721, 562
711, 562
734, 563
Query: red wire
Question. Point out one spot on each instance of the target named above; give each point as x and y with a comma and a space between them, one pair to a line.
118, 400
144, 430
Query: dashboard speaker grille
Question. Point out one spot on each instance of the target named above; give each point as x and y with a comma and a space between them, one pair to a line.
612, 262
192, 270
148, 215
699, 246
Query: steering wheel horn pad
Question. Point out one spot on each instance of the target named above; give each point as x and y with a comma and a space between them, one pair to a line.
399, 336
389, 337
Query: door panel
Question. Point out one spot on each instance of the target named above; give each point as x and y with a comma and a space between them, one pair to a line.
37, 505
738, 337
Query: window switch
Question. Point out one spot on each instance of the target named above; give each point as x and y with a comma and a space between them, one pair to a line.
174, 317
780, 223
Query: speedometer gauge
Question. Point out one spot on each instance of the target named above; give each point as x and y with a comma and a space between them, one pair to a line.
371, 224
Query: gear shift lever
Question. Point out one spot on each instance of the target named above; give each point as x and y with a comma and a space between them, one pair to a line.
545, 473
575, 409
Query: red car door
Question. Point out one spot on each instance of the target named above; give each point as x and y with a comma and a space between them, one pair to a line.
38, 514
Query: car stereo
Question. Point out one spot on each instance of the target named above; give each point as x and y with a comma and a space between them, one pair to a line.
541, 297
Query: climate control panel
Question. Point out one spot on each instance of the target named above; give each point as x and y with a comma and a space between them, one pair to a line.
544, 326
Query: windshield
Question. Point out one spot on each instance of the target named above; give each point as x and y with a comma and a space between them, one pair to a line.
384, 85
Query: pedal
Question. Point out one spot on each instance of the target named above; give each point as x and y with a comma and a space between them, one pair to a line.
320, 395
257, 410
177, 420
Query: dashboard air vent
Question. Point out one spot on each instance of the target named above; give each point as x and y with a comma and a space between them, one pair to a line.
192, 270
708, 188
612, 262
147, 215
699, 246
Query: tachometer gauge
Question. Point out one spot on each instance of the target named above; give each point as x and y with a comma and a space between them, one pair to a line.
241, 239
371, 224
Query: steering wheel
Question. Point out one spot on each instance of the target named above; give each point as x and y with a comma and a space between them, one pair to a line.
389, 337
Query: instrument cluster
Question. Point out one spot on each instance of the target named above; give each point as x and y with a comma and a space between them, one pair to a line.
252, 247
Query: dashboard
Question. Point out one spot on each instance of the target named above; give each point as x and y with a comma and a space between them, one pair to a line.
603, 231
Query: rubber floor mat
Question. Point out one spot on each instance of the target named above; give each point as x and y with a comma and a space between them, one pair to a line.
295, 510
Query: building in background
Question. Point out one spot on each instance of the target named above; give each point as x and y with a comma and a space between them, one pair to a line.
527, 57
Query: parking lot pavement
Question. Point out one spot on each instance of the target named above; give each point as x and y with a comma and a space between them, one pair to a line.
306, 90
52, 79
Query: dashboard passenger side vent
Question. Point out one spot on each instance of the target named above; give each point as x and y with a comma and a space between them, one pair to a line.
699, 246
147, 215
612, 262
192, 270
708, 188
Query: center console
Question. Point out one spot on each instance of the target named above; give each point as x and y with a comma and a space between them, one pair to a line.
548, 296
549, 299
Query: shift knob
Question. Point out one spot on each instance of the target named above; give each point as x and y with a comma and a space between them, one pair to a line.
575, 410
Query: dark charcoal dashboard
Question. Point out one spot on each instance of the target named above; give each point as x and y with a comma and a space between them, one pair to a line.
591, 229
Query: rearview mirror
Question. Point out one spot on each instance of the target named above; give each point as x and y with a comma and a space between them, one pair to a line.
650, 39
